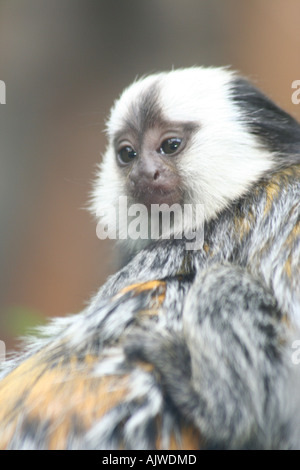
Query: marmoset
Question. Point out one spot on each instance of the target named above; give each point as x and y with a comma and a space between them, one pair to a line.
181, 348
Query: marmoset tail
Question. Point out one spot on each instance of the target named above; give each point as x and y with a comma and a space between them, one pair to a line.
184, 347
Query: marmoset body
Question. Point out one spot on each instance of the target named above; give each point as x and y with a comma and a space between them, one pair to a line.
182, 348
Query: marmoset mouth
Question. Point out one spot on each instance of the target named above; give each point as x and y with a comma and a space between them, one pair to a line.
159, 196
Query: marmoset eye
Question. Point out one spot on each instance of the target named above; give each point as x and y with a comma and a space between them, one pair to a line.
170, 146
126, 154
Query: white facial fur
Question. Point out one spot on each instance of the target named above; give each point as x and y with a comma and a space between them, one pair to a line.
223, 158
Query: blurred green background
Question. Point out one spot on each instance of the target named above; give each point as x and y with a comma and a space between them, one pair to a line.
64, 62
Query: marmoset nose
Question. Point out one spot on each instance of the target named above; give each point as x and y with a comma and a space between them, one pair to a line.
151, 181
147, 172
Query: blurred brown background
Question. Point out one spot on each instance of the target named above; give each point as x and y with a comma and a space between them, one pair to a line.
64, 62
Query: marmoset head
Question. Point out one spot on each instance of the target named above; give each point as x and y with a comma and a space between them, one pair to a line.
196, 136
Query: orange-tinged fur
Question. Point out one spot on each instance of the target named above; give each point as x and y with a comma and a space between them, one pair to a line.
64, 391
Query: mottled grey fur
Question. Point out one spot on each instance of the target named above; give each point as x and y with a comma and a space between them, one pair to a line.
221, 344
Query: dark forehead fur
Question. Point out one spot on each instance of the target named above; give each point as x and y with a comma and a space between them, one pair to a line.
144, 112
275, 129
